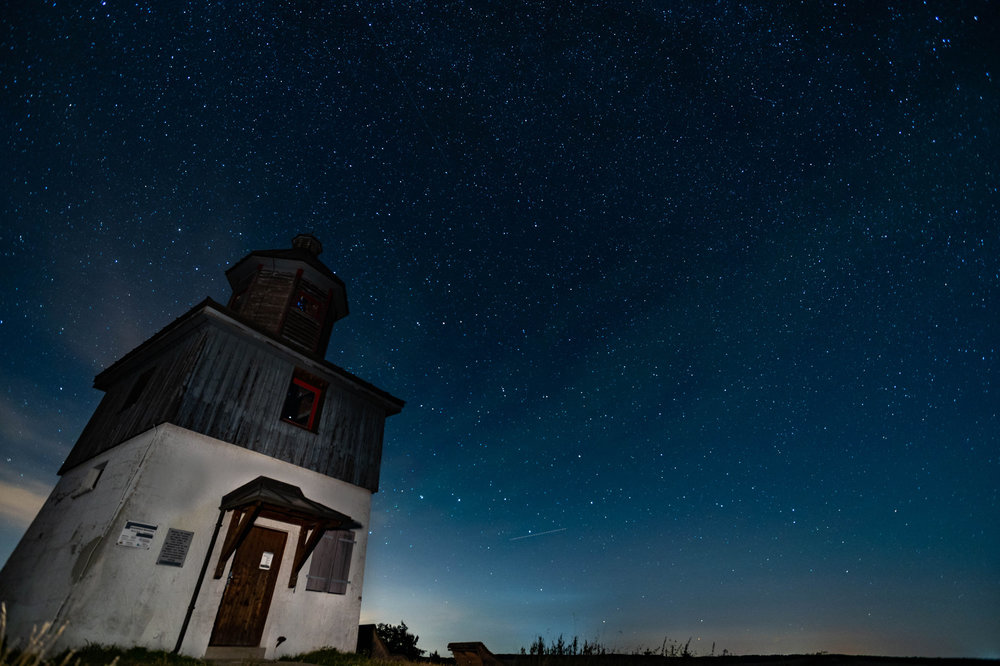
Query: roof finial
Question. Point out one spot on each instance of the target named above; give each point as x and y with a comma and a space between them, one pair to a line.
308, 242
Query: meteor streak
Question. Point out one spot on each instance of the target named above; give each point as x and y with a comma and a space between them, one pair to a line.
528, 536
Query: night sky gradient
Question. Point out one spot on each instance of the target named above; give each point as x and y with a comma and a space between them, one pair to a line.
700, 297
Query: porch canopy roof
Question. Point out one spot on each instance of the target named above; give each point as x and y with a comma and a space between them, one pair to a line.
265, 497
287, 503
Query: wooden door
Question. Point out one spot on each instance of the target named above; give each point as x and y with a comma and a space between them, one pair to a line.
247, 597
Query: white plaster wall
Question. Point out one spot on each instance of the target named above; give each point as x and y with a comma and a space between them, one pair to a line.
65, 538
68, 566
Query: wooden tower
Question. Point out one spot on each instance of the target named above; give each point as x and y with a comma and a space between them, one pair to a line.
218, 499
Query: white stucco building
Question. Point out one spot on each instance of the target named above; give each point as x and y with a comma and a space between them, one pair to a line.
217, 502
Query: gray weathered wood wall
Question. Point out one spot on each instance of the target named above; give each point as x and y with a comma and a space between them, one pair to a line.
226, 385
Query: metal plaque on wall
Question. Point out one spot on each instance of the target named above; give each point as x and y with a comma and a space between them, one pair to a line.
175, 547
136, 535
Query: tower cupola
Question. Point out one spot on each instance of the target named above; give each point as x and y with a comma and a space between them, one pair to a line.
289, 294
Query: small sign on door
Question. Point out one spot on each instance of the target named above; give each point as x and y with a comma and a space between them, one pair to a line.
265, 560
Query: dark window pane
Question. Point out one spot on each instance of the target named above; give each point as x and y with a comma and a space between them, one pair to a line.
301, 403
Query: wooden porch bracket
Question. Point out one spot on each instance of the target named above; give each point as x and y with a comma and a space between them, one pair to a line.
309, 537
239, 527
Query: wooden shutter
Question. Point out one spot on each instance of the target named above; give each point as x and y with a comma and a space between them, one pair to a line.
320, 564
330, 565
341, 562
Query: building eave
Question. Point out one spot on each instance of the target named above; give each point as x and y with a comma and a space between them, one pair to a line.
289, 255
212, 311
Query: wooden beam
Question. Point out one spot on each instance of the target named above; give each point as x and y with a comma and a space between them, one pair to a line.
239, 527
303, 534
305, 549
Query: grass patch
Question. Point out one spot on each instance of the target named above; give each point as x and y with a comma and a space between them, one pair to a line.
334, 657
101, 655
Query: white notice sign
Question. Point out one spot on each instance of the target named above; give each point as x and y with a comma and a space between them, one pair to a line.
137, 535
265, 560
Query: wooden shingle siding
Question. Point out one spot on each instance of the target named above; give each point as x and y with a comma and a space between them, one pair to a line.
301, 330
224, 384
236, 394
267, 300
111, 425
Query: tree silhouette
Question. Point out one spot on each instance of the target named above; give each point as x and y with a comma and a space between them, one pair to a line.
398, 640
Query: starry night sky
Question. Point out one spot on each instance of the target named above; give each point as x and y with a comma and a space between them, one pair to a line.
693, 304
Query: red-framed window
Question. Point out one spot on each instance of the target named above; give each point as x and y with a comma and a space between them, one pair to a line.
303, 401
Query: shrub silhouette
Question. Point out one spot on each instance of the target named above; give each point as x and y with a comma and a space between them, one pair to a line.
399, 640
